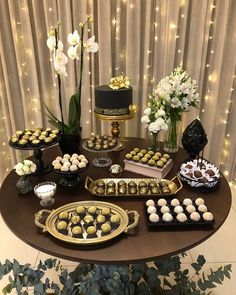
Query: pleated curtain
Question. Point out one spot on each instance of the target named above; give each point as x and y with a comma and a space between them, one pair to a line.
145, 40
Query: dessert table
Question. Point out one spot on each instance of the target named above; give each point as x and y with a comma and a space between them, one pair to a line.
140, 245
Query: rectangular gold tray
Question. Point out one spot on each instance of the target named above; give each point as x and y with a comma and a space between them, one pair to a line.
50, 225
174, 184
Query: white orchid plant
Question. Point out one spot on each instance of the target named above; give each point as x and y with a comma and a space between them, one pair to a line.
78, 46
25, 167
154, 117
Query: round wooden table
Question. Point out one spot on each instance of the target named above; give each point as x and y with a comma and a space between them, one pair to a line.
141, 245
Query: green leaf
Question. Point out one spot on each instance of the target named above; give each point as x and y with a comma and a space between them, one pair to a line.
7, 289
201, 260
74, 113
50, 112
196, 266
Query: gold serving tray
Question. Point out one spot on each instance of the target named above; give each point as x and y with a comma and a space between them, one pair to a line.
50, 224
174, 185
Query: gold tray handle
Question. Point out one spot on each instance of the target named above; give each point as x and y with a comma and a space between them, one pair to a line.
179, 182
38, 216
88, 181
136, 219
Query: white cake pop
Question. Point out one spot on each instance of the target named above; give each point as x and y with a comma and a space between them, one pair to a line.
64, 168
154, 217
195, 216
165, 209
181, 217
190, 209
82, 165
174, 202
151, 209
208, 216
167, 217
187, 202
202, 208
66, 156
73, 168
150, 203
161, 202
178, 209
199, 201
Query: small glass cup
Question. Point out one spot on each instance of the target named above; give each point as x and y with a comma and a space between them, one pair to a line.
45, 191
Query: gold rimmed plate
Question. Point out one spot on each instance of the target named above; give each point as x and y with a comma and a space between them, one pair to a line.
50, 225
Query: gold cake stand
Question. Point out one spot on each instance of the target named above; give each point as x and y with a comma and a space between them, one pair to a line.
115, 122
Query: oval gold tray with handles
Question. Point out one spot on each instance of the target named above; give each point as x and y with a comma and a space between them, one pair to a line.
175, 185
52, 219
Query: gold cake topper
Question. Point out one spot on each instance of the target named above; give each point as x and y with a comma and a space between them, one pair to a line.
118, 82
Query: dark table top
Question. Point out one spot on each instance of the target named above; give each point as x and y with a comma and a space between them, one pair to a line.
140, 245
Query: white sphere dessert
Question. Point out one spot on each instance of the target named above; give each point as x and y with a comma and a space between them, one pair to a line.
202, 208
175, 202
57, 166
167, 217
190, 209
59, 158
195, 216
84, 160
75, 162
65, 168
55, 162
181, 217
165, 209
150, 203
151, 209
178, 209
74, 156
187, 202
66, 156
82, 165
64, 160
208, 216
161, 202
80, 157
199, 201
154, 217
67, 163
73, 168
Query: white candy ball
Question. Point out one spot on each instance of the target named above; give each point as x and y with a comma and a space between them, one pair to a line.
195, 216
80, 157
154, 217
82, 165
187, 202
74, 156
208, 216
175, 202
64, 160
165, 209
57, 166
178, 209
190, 208
67, 163
55, 162
181, 217
151, 209
202, 208
84, 160
75, 162
73, 168
150, 203
59, 158
199, 201
65, 168
167, 217
161, 202
73, 159
66, 156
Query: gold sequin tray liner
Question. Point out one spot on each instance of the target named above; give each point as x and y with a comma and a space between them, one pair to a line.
51, 222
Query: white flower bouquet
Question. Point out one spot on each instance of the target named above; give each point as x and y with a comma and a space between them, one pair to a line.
175, 94
78, 47
25, 167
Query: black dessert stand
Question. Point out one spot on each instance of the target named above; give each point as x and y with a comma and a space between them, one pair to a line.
37, 152
70, 179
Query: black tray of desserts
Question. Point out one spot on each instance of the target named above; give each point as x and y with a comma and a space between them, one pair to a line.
200, 175
34, 139
182, 220
100, 143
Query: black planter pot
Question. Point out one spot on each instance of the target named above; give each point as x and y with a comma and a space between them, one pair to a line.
70, 143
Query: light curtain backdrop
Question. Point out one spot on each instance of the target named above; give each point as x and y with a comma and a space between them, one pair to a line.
144, 39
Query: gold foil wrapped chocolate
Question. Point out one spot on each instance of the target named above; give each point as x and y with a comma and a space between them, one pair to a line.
118, 82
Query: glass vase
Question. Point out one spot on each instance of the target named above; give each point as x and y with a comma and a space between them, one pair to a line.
24, 185
172, 136
155, 145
